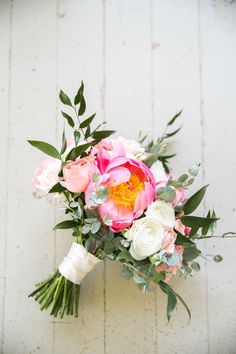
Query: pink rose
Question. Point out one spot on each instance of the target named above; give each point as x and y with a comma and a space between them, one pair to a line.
179, 226
77, 174
46, 175
168, 243
131, 189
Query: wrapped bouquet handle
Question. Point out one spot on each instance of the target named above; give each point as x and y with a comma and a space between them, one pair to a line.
78, 263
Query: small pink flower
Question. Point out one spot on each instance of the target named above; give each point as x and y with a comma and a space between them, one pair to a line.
46, 175
131, 189
168, 243
179, 226
77, 174
171, 270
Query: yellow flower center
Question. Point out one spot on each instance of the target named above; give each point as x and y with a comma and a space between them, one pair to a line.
126, 193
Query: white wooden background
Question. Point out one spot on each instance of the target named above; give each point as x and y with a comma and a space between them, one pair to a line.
141, 60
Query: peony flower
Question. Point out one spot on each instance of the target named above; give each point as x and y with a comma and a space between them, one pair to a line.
77, 174
163, 212
131, 189
46, 175
147, 236
107, 150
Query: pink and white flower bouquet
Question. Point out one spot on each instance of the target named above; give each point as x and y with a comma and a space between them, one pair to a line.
123, 204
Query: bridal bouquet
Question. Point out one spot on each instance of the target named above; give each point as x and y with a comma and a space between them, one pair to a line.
123, 204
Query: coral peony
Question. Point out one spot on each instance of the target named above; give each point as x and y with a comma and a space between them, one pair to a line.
131, 189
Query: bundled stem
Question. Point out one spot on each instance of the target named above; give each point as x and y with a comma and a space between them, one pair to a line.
58, 293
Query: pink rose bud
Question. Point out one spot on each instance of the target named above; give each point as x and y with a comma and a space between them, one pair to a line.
77, 174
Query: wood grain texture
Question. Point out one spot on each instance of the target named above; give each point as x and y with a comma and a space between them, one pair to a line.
141, 62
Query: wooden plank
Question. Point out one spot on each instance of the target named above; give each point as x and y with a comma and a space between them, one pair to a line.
29, 221
79, 57
5, 37
176, 85
130, 314
218, 34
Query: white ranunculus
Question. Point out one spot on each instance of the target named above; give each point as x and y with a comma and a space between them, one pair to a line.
163, 212
132, 147
158, 171
147, 236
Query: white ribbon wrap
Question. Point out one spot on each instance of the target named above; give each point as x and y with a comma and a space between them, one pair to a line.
78, 263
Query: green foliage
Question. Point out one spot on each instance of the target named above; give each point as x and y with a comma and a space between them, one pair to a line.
193, 202
46, 148
166, 193
98, 135
58, 188
65, 99
87, 122
195, 221
67, 224
77, 151
69, 119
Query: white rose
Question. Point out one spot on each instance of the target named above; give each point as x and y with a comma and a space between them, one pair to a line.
158, 171
163, 212
147, 236
46, 175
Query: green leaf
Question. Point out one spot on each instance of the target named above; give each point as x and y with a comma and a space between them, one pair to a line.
58, 188
166, 193
195, 221
68, 224
77, 137
205, 229
82, 106
193, 171
174, 118
87, 121
102, 134
79, 94
195, 266
64, 143
183, 240
191, 253
77, 151
218, 258
95, 227
139, 280
69, 119
193, 202
46, 148
64, 98
168, 135
125, 255
183, 178
172, 300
